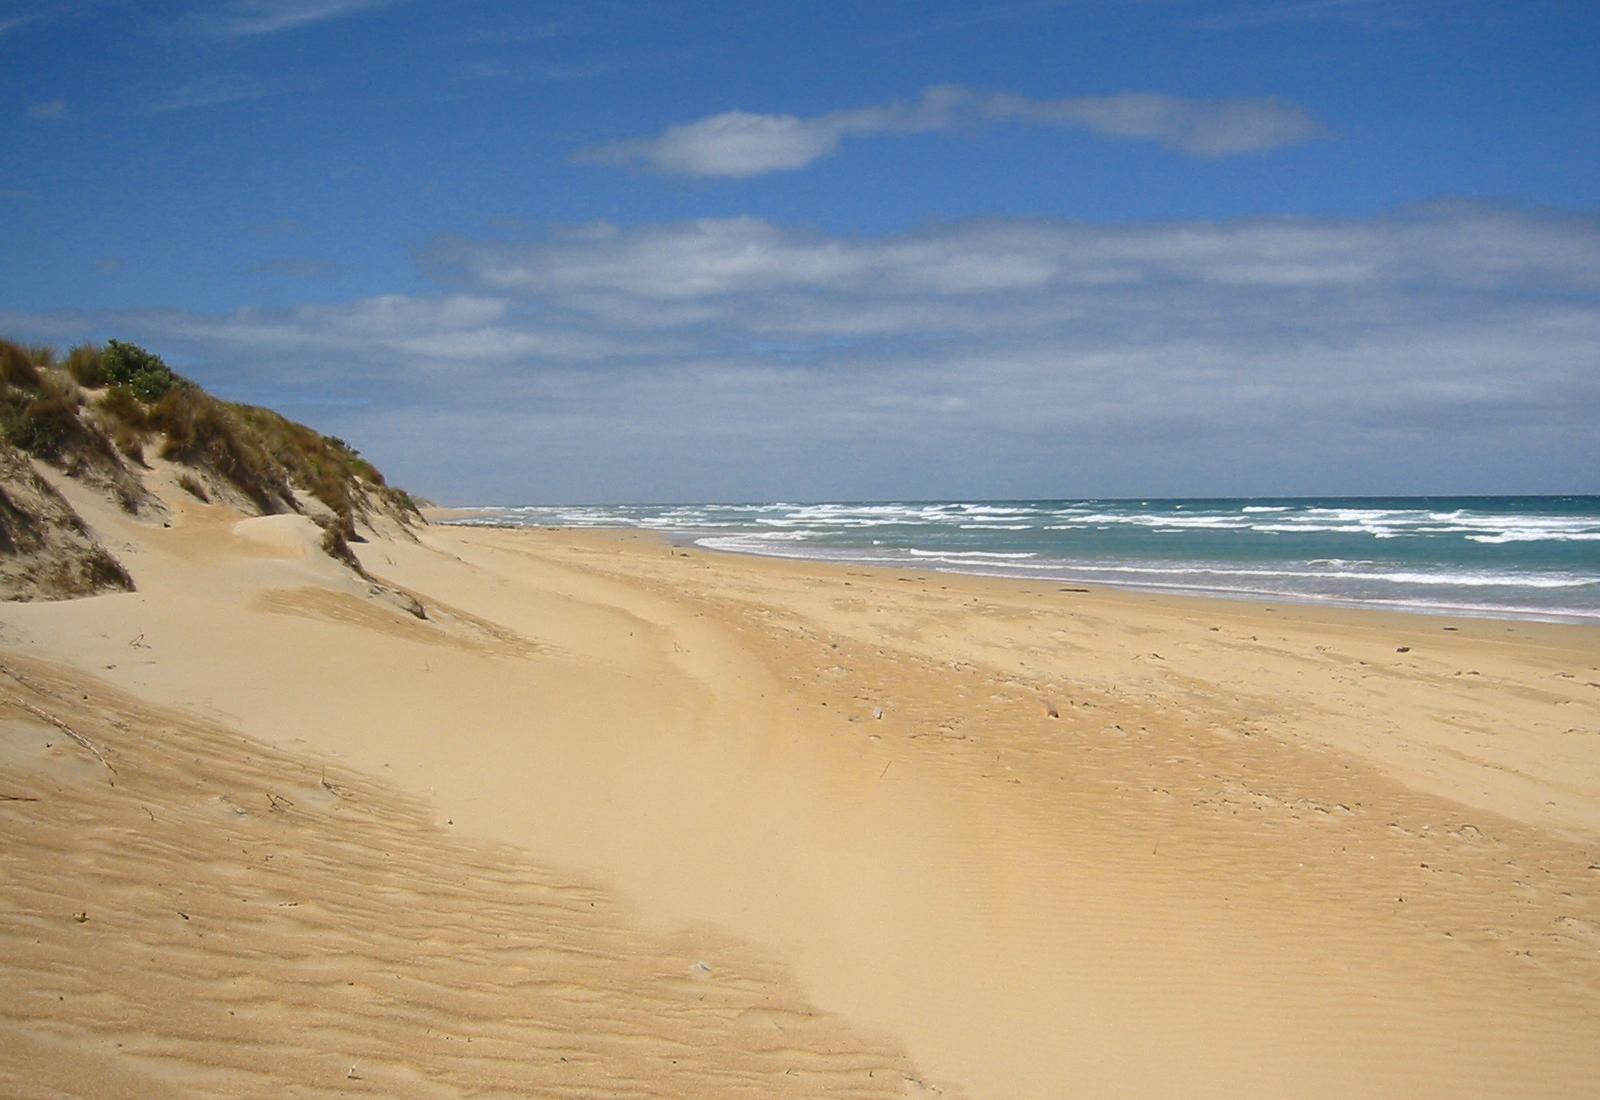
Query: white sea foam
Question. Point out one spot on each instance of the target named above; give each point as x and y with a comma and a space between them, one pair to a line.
1438, 579
1228, 522
1455, 559
1537, 536
966, 554
1376, 530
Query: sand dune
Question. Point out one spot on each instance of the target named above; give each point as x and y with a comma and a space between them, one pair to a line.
704, 825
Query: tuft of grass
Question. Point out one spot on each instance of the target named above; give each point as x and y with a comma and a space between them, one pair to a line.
129, 442
327, 467
45, 425
336, 546
202, 431
102, 572
125, 420
86, 365
191, 485
314, 461
17, 367
55, 382
121, 405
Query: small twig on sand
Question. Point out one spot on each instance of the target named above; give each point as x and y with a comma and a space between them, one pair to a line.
27, 683
885, 770
277, 801
17, 798
64, 728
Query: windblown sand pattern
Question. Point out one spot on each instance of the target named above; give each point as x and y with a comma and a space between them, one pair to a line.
704, 825
218, 918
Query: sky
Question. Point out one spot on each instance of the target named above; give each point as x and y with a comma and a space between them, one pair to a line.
637, 252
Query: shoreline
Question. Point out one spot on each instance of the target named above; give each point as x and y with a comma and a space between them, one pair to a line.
455, 517
988, 837
1396, 607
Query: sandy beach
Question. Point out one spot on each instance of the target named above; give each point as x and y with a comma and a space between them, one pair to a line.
619, 818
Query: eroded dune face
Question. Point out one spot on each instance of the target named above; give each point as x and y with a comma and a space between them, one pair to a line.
46, 552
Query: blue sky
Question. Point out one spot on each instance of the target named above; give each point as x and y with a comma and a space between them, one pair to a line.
528, 252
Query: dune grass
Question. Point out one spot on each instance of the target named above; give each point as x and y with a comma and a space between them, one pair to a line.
135, 400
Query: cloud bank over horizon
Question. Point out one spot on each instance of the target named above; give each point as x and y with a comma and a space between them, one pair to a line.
741, 144
1012, 357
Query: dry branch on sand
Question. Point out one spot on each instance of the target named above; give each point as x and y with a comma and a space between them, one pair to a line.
46, 716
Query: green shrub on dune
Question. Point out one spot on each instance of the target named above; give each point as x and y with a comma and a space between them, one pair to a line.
141, 371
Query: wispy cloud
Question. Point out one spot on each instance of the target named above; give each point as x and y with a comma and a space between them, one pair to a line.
9, 23
49, 110
249, 18
214, 91
1197, 127
739, 144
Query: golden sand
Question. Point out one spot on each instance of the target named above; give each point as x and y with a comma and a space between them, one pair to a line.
626, 819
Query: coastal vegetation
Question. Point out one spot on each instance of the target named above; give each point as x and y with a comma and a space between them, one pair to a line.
103, 413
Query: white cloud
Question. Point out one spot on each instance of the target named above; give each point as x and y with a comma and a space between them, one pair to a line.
398, 337
752, 275
1448, 348
732, 144
738, 144
1198, 127
49, 110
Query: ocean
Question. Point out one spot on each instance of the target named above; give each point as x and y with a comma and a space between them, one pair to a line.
1534, 557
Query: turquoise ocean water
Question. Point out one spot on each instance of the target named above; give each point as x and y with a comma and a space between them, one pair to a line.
1501, 557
